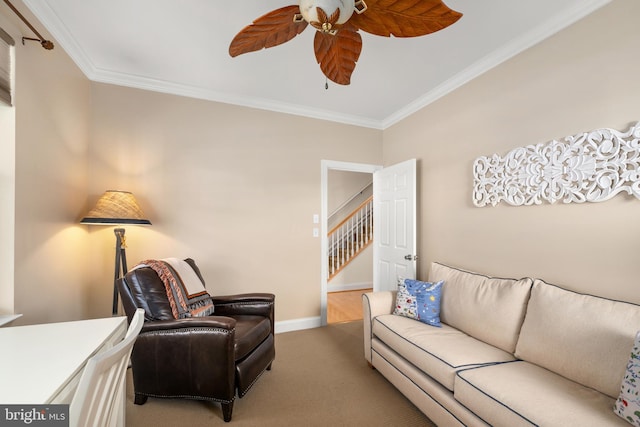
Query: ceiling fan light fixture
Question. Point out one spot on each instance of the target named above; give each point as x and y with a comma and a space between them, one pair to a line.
327, 15
337, 43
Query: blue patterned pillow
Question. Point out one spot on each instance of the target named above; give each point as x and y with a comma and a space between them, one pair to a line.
419, 300
428, 303
628, 404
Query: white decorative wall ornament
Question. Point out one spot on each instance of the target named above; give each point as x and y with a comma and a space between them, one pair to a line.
588, 167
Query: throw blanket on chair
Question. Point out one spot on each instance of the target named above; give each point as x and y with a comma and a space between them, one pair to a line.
185, 291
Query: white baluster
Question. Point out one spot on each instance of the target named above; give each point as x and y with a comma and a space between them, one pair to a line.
333, 253
358, 225
342, 252
369, 219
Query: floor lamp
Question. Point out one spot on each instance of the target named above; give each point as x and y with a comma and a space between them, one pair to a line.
117, 208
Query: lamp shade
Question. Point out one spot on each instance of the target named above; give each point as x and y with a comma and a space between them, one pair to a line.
116, 207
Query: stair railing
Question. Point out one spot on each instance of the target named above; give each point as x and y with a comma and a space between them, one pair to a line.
352, 235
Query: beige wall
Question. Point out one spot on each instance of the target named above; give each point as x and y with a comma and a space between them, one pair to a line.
233, 187
584, 78
51, 137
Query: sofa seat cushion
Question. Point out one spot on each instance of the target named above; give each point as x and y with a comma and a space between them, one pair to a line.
523, 394
439, 352
250, 332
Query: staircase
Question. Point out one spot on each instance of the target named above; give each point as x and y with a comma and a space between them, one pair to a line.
350, 237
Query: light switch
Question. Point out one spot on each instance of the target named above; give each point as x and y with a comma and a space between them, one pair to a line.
316, 218
316, 232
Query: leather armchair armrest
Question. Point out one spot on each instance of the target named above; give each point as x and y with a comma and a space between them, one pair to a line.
257, 304
213, 322
202, 336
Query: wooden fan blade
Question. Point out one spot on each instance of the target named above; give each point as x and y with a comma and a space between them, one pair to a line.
271, 29
404, 18
337, 54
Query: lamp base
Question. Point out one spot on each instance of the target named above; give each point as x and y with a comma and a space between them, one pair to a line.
121, 266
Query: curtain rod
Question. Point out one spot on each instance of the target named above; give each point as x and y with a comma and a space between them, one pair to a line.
47, 44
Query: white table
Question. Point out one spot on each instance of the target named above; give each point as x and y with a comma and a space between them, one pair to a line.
42, 364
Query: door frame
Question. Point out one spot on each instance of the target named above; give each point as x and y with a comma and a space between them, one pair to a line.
325, 167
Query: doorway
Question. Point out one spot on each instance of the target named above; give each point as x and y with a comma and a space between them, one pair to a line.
394, 241
348, 297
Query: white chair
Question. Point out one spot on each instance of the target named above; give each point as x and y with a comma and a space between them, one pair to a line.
99, 398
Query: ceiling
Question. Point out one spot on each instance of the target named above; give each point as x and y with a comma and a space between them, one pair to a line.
181, 47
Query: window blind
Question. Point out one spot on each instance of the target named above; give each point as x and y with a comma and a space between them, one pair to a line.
6, 45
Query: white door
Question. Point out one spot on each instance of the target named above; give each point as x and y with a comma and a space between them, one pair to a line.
394, 225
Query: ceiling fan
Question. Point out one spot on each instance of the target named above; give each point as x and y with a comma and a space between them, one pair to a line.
337, 43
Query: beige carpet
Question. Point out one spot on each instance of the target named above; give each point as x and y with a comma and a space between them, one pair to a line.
319, 378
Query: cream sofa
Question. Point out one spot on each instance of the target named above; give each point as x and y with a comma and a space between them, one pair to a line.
509, 352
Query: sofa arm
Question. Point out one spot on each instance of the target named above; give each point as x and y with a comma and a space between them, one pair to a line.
374, 304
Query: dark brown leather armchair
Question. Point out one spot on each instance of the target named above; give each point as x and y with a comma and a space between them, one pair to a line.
205, 358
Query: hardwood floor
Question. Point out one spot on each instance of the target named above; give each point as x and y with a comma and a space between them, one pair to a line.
345, 306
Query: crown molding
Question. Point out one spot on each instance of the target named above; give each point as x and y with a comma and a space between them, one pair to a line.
138, 82
62, 34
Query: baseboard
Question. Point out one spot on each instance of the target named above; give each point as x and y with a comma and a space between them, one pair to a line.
297, 324
349, 287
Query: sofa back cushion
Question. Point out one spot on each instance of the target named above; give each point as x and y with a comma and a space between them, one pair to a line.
581, 337
487, 308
